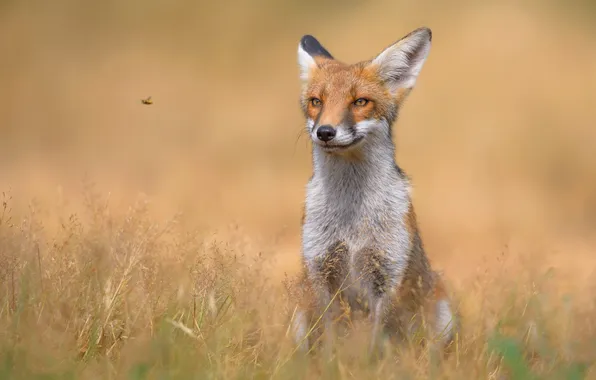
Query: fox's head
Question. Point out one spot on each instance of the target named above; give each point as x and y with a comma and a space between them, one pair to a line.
346, 105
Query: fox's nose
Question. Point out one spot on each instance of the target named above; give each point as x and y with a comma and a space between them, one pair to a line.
326, 133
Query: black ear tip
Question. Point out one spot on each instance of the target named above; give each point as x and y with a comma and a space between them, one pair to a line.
313, 47
308, 40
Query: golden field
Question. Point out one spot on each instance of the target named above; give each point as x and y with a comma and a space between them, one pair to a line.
155, 241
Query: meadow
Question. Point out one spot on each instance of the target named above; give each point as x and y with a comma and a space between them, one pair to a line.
162, 241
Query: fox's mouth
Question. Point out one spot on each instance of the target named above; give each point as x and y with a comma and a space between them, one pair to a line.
336, 147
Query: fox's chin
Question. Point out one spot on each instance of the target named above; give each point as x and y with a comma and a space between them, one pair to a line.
332, 148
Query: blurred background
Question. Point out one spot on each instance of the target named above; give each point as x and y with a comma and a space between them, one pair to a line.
498, 136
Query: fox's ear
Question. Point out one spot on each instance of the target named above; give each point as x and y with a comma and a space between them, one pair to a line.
400, 63
309, 50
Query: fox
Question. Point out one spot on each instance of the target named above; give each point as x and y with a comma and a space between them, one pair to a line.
361, 244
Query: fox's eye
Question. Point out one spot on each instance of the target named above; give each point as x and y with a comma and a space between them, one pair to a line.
361, 102
315, 102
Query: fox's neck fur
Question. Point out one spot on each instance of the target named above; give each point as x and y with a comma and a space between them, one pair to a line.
366, 187
373, 161
369, 172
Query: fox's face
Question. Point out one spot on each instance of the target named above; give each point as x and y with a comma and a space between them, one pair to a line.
346, 105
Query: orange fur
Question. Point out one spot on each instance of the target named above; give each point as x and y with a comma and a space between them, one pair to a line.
410, 222
339, 85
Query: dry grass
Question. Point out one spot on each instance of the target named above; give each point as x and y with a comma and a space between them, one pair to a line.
102, 282
120, 296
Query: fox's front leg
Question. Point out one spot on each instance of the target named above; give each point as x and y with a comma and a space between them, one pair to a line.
300, 328
326, 310
315, 322
379, 278
308, 323
378, 304
330, 274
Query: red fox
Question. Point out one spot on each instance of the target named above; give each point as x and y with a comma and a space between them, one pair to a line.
360, 238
